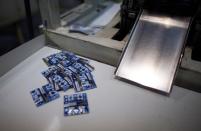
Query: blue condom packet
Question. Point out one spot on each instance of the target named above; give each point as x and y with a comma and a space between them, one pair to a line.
73, 58
75, 104
69, 71
56, 76
61, 82
44, 95
83, 82
51, 60
81, 68
67, 57
50, 71
55, 59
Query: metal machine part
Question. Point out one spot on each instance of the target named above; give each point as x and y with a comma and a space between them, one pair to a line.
103, 48
173, 7
131, 8
90, 14
82, 29
195, 36
129, 12
50, 13
94, 16
154, 51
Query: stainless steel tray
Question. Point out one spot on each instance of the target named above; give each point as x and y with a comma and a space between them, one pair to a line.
154, 51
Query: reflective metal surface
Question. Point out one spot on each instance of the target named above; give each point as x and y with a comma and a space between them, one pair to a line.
153, 51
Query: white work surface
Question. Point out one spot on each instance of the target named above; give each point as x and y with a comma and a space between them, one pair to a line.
114, 105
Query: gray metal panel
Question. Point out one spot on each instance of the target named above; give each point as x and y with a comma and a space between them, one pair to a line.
154, 51
17, 55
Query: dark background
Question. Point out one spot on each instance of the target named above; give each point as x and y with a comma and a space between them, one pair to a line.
20, 21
